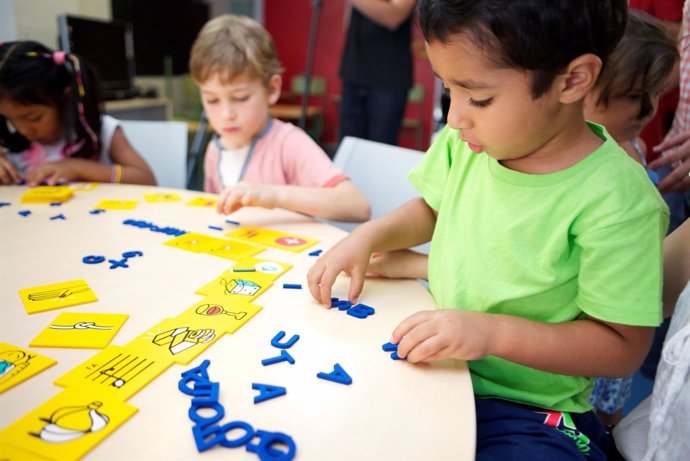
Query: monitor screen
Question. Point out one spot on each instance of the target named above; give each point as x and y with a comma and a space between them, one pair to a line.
107, 46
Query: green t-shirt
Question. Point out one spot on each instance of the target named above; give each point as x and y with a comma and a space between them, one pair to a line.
584, 241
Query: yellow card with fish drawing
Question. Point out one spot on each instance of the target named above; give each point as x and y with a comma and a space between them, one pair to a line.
56, 296
274, 239
115, 370
115, 204
18, 365
68, 425
84, 330
220, 313
203, 201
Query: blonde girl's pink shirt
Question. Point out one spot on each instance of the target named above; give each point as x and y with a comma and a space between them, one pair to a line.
285, 155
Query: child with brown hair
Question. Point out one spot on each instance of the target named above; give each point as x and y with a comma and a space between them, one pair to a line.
254, 159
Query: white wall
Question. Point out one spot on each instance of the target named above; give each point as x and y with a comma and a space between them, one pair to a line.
37, 19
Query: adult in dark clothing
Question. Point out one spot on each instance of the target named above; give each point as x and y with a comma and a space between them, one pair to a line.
376, 69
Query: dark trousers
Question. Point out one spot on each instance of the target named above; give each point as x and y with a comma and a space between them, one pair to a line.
372, 113
509, 431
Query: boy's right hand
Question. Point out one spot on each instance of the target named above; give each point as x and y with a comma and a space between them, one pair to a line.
8, 174
246, 194
350, 255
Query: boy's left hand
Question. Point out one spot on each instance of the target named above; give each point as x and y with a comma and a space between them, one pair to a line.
444, 334
247, 194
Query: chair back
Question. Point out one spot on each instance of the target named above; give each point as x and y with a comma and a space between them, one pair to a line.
379, 171
163, 144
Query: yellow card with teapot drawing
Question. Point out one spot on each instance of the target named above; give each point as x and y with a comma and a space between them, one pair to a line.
273, 239
68, 425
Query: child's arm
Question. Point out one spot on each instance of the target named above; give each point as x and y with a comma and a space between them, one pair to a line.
134, 168
410, 225
676, 265
343, 202
8, 173
399, 264
585, 347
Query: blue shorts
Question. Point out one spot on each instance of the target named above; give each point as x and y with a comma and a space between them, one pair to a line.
510, 431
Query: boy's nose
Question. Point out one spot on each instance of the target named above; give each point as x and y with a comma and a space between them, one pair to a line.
228, 111
457, 117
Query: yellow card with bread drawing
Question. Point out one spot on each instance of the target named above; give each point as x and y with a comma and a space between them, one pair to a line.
68, 425
273, 239
18, 365
56, 295
84, 330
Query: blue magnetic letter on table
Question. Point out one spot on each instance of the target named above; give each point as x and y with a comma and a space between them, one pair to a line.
215, 228
361, 311
115, 263
315, 253
97, 211
24, 213
230, 221
284, 355
58, 216
342, 304
132, 254
202, 419
389, 347
2, 204
93, 259
267, 450
292, 286
203, 443
338, 375
275, 342
205, 393
266, 392
193, 375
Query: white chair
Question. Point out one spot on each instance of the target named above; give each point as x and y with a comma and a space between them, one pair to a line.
163, 144
379, 171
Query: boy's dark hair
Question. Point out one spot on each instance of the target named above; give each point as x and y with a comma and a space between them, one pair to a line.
645, 55
541, 36
31, 73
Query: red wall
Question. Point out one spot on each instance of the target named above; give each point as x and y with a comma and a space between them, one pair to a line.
289, 23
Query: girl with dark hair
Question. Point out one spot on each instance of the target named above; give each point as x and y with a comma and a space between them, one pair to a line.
51, 125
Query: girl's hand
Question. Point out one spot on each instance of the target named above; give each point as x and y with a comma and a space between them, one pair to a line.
247, 194
444, 334
350, 255
52, 173
674, 151
8, 174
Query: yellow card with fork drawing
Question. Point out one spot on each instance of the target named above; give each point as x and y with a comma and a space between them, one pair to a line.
56, 296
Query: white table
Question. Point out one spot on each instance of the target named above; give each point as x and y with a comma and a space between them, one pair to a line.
393, 410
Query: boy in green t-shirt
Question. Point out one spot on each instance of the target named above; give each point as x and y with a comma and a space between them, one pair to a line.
545, 235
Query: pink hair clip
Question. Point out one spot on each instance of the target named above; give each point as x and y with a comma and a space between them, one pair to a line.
59, 57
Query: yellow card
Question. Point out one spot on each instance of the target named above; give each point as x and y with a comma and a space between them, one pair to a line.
80, 330
116, 371
233, 249
56, 295
163, 197
274, 239
70, 424
218, 313
179, 340
237, 287
191, 241
12, 453
114, 204
17, 365
47, 194
272, 269
203, 201
83, 186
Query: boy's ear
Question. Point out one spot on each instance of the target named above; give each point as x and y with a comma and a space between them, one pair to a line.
579, 78
275, 84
